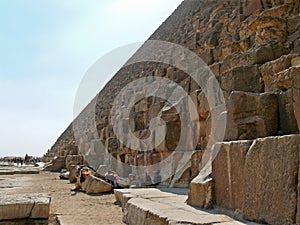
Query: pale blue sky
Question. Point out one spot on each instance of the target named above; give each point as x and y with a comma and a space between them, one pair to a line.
46, 46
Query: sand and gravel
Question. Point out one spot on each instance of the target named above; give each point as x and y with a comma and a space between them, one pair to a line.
71, 208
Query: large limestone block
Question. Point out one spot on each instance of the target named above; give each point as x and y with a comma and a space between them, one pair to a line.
288, 112
22, 206
259, 55
201, 192
268, 29
253, 115
95, 185
287, 82
228, 173
243, 78
41, 207
271, 176
73, 160
278, 74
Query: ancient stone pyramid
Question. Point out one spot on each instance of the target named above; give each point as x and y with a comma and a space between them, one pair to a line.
253, 49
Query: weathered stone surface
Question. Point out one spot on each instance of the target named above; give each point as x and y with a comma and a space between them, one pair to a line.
73, 160
274, 73
244, 78
35, 206
228, 173
259, 55
201, 193
56, 164
152, 206
268, 29
253, 115
271, 174
288, 112
95, 185
282, 76
284, 80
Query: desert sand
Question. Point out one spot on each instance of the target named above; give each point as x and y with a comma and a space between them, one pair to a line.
71, 208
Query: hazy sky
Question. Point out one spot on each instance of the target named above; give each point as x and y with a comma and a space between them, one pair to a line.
46, 46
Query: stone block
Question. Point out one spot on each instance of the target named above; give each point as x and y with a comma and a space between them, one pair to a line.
73, 160
283, 80
277, 75
288, 112
95, 185
171, 139
251, 6
201, 192
228, 173
244, 78
271, 176
293, 24
253, 115
112, 145
176, 75
258, 55
268, 29
23, 206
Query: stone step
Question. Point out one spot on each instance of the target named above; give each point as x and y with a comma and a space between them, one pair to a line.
153, 206
20, 170
23, 206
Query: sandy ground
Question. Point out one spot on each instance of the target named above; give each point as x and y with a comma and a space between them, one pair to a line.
72, 208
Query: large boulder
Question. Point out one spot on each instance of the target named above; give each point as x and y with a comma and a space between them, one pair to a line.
95, 185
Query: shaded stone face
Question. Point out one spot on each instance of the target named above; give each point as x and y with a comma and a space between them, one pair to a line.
229, 174
271, 176
95, 185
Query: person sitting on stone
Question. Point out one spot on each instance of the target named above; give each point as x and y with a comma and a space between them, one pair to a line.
81, 174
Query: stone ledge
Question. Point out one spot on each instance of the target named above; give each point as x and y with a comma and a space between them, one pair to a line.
153, 206
22, 206
12, 171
